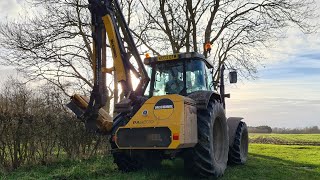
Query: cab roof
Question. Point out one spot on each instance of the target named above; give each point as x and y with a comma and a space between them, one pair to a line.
178, 56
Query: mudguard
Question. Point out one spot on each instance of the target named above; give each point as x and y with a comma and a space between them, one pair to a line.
202, 98
233, 123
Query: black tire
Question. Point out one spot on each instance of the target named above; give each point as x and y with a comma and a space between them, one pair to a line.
125, 162
210, 156
132, 160
238, 152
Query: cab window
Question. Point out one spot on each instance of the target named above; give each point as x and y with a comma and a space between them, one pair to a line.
196, 76
168, 78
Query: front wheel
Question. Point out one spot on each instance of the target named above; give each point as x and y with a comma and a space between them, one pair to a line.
209, 157
124, 161
132, 160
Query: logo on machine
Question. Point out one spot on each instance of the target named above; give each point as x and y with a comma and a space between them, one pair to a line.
164, 104
145, 113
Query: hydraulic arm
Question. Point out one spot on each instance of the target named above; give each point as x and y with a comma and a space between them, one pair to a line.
107, 19
106, 16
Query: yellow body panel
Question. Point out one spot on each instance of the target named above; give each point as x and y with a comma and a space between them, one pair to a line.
117, 60
164, 116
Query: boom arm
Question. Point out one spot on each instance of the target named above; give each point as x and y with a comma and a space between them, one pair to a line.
107, 18
107, 13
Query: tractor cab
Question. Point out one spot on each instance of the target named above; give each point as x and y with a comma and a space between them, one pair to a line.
182, 74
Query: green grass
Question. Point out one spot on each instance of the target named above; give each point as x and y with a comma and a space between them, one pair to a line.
265, 161
298, 139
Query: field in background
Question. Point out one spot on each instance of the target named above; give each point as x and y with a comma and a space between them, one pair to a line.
286, 139
266, 161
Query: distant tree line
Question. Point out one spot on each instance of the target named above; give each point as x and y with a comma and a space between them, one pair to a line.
260, 129
267, 129
306, 130
35, 128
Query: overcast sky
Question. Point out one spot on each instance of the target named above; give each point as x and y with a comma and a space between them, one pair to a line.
286, 94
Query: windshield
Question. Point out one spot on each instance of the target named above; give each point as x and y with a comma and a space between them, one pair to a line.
168, 78
196, 77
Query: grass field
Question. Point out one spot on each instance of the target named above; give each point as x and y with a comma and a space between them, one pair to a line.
266, 161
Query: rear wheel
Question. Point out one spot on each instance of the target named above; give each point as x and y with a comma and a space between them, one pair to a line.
209, 157
238, 152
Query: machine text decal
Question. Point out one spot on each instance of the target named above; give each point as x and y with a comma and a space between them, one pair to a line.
164, 104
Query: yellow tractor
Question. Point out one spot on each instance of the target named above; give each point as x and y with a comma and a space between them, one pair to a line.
174, 113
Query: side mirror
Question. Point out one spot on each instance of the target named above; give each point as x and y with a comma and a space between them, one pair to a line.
233, 76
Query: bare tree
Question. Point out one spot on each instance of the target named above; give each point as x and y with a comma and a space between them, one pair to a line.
237, 29
53, 45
